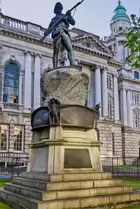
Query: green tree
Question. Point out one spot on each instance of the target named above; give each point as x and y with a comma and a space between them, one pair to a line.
133, 42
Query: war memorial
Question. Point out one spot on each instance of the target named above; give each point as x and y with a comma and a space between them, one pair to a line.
64, 169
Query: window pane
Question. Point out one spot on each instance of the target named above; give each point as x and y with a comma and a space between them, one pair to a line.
136, 75
109, 82
11, 83
18, 138
109, 110
136, 121
3, 137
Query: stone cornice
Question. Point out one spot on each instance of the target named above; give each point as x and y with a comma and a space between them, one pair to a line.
33, 40
124, 88
24, 37
130, 80
114, 63
63, 142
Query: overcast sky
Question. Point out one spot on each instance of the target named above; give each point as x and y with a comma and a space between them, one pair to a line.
93, 15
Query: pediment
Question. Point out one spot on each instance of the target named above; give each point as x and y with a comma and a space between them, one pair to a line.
91, 43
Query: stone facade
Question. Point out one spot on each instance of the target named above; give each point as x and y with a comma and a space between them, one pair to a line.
112, 84
128, 84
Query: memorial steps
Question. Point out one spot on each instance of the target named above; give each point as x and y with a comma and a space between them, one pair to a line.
84, 190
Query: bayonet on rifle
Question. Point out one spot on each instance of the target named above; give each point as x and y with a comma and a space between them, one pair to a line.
49, 30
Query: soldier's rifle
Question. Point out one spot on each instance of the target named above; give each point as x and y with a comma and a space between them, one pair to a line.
50, 29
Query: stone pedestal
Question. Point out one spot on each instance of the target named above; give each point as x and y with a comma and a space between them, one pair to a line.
64, 169
71, 146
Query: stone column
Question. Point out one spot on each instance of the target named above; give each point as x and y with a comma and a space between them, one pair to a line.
105, 92
116, 99
123, 107
1, 86
37, 72
91, 90
125, 56
27, 83
98, 87
20, 89
117, 50
129, 109
126, 52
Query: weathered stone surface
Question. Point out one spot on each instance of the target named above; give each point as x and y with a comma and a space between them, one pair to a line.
107, 183
119, 198
68, 85
70, 191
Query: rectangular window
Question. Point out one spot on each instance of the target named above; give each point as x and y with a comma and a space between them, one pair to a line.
136, 75
18, 138
135, 98
4, 133
109, 82
136, 121
109, 110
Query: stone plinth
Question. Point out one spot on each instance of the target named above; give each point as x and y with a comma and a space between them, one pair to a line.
71, 146
68, 85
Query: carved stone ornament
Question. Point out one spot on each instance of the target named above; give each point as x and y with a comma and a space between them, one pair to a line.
67, 85
12, 59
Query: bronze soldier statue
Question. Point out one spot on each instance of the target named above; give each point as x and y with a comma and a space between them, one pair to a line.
59, 26
61, 34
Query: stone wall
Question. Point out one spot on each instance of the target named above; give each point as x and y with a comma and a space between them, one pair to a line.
111, 136
131, 143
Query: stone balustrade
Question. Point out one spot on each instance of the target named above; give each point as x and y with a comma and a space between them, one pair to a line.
10, 23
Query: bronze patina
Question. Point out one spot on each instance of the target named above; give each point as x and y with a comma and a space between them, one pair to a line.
59, 27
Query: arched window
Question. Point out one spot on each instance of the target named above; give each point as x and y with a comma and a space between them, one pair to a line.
136, 75
11, 84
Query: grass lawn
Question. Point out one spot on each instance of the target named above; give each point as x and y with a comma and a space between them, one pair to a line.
133, 183
2, 206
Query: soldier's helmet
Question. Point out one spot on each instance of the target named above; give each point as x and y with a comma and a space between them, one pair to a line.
58, 8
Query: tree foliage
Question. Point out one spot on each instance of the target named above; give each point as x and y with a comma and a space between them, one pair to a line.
133, 42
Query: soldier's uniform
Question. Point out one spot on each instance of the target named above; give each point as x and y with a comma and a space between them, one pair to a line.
61, 34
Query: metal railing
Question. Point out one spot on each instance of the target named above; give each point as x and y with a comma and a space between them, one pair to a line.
12, 164
118, 166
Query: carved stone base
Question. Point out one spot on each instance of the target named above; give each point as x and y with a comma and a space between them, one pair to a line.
68, 85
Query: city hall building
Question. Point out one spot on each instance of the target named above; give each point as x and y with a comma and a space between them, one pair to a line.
113, 84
